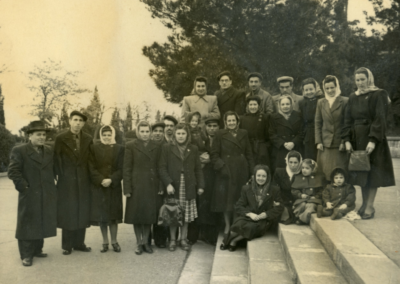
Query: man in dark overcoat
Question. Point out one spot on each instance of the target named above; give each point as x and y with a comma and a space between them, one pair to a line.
71, 151
31, 170
229, 98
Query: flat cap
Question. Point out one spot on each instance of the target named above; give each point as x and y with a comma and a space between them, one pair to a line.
171, 118
224, 73
255, 74
75, 112
285, 78
211, 120
158, 124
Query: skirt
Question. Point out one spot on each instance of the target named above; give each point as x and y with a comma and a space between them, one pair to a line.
188, 205
250, 229
111, 222
331, 158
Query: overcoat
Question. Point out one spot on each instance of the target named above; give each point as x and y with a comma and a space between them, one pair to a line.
33, 177
73, 184
247, 203
284, 182
365, 121
206, 105
230, 100
106, 162
338, 195
171, 166
257, 126
307, 109
140, 178
311, 185
232, 157
282, 131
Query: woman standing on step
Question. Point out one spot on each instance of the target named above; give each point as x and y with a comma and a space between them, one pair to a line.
365, 129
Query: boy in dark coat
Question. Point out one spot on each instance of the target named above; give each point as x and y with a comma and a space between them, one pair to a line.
339, 197
31, 170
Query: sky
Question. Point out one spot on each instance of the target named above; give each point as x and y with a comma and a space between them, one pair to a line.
101, 38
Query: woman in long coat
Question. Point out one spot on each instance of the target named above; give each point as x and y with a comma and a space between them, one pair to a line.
257, 124
328, 124
232, 157
141, 184
285, 131
105, 166
259, 207
365, 129
181, 173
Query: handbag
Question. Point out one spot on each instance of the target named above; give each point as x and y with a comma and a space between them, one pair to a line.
171, 213
359, 161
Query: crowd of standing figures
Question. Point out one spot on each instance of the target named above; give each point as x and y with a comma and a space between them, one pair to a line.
239, 162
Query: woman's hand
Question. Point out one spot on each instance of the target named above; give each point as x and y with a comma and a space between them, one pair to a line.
205, 158
370, 147
106, 182
262, 216
253, 216
127, 195
304, 196
343, 206
289, 146
342, 148
329, 205
200, 191
320, 147
349, 148
170, 189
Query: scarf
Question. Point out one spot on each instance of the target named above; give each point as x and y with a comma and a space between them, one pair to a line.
182, 148
330, 99
112, 142
288, 170
285, 115
370, 83
235, 130
260, 191
317, 90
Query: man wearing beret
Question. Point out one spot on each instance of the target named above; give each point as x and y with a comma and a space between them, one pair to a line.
255, 80
71, 151
157, 134
31, 170
229, 98
286, 89
199, 101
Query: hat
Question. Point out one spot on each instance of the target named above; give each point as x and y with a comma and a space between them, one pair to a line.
158, 124
253, 98
211, 119
254, 74
171, 118
37, 125
224, 73
285, 78
75, 112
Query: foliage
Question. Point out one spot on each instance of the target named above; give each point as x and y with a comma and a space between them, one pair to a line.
94, 112
129, 118
2, 116
7, 142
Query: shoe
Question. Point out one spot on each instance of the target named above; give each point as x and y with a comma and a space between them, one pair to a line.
41, 254
225, 242
67, 252
184, 245
27, 262
105, 248
319, 211
116, 247
335, 213
139, 250
162, 246
300, 223
232, 248
83, 248
172, 245
147, 248
368, 216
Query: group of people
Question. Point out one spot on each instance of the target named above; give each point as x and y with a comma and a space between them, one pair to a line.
252, 159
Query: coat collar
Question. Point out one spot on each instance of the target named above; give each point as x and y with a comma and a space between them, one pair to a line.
224, 96
336, 105
175, 150
138, 144
42, 161
85, 141
293, 119
228, 136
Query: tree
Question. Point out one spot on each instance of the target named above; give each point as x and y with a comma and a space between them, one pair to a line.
2, 116
158, 116
7, 142
115, 119
129, 118
64, 118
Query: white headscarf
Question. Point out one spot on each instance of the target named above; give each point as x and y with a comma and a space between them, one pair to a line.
286, 116
370, 82
330, 99
288, 170
112, 142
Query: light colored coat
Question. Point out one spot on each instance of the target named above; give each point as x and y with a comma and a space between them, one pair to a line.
207, 106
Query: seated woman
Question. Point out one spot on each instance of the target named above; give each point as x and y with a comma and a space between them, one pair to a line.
259, 206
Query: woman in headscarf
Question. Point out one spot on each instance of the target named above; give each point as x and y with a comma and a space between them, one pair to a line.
141, 184
258, 208
257, 123
283, 178
328, 126
232, 157
105, 166
365, 129
285, 131
181, 173
308, 106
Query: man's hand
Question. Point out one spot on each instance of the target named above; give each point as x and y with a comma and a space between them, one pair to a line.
170, 189
253, 216
320, 147
106, 182
200, 191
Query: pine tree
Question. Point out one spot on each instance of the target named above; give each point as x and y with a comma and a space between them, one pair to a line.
129, 118
2, 116
158, 116
64, 119
115, 119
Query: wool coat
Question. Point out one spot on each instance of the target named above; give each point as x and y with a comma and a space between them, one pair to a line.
282, 131
257, 126
282, 180
230, 100
206, 105
106, 162
307, 109
338, 195
33, 177
232, 157
311, 185
172, 165
73, 184
364, 122
140, 178
247, 203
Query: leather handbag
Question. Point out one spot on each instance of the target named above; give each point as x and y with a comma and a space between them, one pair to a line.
171, 213
359, 161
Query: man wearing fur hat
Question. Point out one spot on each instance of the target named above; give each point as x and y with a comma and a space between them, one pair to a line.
286, 89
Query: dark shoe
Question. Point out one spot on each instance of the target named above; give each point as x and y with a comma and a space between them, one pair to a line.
319, 211
185, 245
368, 216
361, 211
172, 245
105, 248
116, 247
300, 223
139, 250
232, 248
162, 246
335, 213
83, 248
67, 252
27, 262
41, 254
147, 248
225, 242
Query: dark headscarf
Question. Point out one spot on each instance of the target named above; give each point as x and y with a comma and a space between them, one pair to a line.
233, 131
181, 146
261, 191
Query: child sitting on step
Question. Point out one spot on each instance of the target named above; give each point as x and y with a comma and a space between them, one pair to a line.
339, 197
307, 190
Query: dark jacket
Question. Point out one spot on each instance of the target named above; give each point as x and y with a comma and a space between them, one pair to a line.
311, 185
231, 99
282, 180
141, 181
307, 109
106, 162
171, 166
73, 185
338, 195
33, 177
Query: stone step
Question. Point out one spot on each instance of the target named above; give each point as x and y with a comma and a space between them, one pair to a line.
229, 267
307, 259
267, 263
359, 260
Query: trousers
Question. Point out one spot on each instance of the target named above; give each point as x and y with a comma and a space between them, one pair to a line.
73, 239
30, 248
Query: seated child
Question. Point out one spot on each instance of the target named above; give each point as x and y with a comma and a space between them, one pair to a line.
307, 190
339, 197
